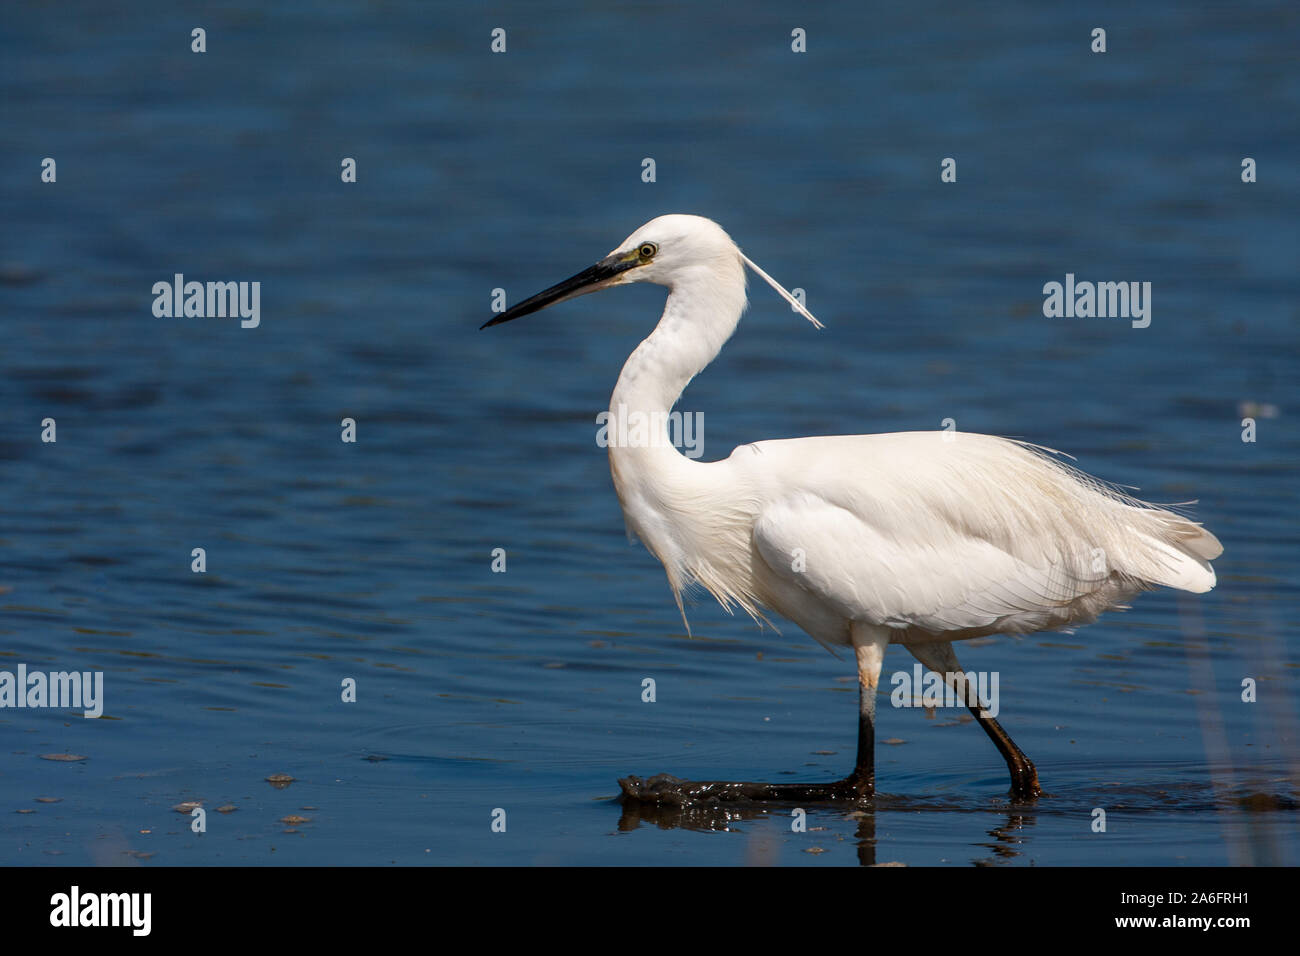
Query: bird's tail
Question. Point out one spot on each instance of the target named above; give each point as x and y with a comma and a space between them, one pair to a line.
1149, 544
1179, 552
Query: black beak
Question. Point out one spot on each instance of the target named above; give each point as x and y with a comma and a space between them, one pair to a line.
588, 280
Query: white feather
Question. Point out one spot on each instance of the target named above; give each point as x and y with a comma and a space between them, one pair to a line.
934, 536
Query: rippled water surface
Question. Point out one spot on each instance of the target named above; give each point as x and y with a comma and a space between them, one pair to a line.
372, 561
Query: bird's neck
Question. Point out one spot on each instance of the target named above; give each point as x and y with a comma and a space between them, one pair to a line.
702, 311
651, 475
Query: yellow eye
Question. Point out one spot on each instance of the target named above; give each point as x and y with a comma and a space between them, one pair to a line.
647, 250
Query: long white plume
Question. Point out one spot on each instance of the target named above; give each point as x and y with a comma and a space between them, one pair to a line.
798, 306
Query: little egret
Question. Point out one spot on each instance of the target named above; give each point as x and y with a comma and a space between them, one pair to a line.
912, 538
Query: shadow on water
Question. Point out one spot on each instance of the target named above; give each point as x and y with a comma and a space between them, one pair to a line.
1013, 820
1007, 836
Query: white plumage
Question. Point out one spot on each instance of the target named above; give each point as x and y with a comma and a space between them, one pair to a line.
933, 535
918, 538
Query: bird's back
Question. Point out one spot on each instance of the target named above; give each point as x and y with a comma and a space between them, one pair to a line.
950, 535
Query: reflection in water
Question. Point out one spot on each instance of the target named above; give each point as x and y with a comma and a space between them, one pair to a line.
725, 818
1007, 838
1010, 837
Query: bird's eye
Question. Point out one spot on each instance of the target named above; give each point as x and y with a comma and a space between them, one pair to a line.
647, 250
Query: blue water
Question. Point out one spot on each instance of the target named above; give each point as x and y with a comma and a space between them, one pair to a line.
372, 561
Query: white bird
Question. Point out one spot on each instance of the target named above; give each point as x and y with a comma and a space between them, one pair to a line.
912, 538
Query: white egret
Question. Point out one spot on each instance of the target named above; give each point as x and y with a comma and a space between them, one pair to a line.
912, 538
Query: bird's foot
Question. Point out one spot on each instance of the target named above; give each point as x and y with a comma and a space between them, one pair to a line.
667, 790
1024, 785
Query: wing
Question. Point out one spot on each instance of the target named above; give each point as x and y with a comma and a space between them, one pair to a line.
976, 535
938, 584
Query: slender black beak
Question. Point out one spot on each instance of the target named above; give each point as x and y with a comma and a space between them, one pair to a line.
588, 280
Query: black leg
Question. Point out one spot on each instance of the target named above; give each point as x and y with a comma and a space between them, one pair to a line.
858, 786
863, 778
942, 659
1024, 778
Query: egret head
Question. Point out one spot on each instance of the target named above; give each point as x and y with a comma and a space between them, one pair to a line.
662, 251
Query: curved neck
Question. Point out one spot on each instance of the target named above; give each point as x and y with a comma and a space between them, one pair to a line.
702, 311
650, 473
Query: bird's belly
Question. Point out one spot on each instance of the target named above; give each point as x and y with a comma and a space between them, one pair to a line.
832, 626
797, 605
